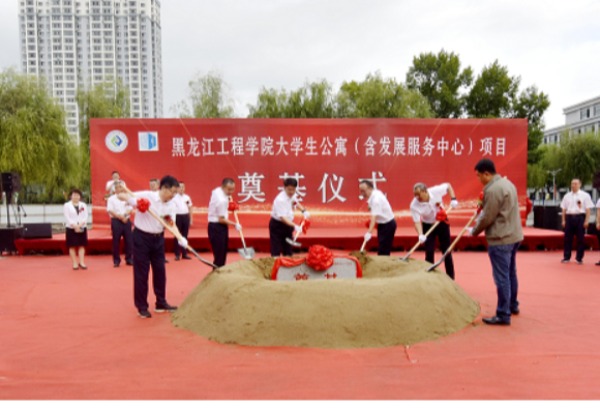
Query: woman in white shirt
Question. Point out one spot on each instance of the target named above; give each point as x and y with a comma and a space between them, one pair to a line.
76, 215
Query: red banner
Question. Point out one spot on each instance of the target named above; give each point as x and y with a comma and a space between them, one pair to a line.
327, 156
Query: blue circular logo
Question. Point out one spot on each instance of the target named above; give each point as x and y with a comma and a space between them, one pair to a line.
116, 141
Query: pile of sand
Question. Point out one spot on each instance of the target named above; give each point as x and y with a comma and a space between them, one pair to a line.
396, 303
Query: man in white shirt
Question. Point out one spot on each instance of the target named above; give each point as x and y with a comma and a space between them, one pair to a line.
218, 220
426, 209
183, 205
281, 225
120, 226
149, 244
381, 215
576, 207
110, 184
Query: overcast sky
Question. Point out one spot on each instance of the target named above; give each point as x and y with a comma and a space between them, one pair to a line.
552, 44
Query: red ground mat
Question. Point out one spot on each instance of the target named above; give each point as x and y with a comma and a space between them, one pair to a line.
75, 335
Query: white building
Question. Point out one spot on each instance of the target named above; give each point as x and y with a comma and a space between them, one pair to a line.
80, 43
580, 118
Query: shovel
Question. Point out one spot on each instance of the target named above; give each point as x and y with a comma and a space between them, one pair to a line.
418, 244
451, 247
245, 252
293, 242
176, 233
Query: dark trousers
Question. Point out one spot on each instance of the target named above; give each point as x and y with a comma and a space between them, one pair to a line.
183, 225
504, 269
442, 233
119, 230
278, 232
148, 249
218, 235
385, 237
574, 227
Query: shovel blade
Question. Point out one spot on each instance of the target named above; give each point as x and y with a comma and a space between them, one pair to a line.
293, 243
246, 253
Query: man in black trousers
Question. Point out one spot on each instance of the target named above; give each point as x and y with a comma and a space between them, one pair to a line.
576, 207
183, 205
281, 225
120, 226
149, 244
218, 221
382, 216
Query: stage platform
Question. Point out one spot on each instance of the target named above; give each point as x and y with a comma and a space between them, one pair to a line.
75, 335
348, 239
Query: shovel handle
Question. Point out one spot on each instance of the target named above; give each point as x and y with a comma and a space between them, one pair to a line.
237, 221
451, 247
364, 244
297, 234
174, 231
418, 244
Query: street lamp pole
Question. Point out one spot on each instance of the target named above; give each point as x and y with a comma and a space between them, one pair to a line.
554, 173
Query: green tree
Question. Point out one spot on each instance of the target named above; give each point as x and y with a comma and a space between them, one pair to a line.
209, 98
376, 97
104, 100
312, 100
33, 137
531, 104
493, 93
579, 157
440, 79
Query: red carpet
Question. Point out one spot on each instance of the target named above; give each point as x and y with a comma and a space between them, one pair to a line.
75, 335
347, 239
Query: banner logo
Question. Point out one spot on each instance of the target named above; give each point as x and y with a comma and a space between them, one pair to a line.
148, 141
116, 141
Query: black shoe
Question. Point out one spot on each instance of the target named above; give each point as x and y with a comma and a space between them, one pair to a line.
144, 314
597, 263
186, 257
116, 265
166, 260
177, 258
515, 311
565, 260
495, 320
165, 308
580, 262
129, 263
83, 266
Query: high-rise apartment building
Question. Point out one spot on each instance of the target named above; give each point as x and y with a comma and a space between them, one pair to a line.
80, 43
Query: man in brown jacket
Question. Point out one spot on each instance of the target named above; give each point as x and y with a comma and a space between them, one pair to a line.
502, 224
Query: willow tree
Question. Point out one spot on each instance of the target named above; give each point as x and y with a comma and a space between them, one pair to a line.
33, 138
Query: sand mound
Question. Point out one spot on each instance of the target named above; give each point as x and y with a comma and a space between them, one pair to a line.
395, 303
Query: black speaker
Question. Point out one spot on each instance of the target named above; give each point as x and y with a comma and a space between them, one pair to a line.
37, 230
8, 237
11, 182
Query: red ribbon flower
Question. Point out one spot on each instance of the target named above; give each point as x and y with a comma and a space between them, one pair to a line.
143, 204
305, 226
441, 215
319, 258
233, 206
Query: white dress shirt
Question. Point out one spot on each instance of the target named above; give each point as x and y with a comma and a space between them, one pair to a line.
576, 203
73, 217
427, 211
218, 205
283, 206
146, 222
119, 207
380, 207
183, 203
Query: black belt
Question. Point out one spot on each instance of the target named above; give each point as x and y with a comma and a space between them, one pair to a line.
152, 234
575, 215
